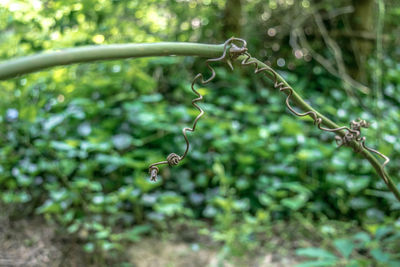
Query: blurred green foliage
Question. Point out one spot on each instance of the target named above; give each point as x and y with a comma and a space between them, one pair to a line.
361, 249
76, 141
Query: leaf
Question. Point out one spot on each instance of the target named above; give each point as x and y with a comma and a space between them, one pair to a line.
107, 245
73, 228
50, 207
53, 121
381, 232
134, 234
359, 203
89, 247
315, 253
60, 146
294, 203
355, 185
317, 263
380, 256
344, 246
67, 166
356, 263
362, 238
151, 98
122, 141
102, 234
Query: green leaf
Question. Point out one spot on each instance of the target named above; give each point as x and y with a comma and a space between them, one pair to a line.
134, 234
362, 238
107, 246
315, 253
344, 246
355, 185
67, 166
50, 207
318, 263
89, 247
73, 228
381, 232
357, 263
295, 203
60, 146
380, 256
102, 234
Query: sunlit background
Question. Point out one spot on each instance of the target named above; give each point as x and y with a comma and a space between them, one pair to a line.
260, 187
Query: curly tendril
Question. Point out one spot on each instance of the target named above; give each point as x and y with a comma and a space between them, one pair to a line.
353, 133
232, 51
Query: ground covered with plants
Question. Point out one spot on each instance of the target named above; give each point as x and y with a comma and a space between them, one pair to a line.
259, 185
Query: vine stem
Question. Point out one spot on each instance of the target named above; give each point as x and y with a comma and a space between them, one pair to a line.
15, 67
299, 102
24, 65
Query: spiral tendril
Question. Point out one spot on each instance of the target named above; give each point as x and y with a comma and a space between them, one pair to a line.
232, 51
353, 132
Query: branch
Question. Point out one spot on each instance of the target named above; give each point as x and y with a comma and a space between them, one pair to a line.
337, 53
15, 67
299, 101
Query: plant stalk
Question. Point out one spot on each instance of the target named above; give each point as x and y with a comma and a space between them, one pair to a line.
24, 65
299, 102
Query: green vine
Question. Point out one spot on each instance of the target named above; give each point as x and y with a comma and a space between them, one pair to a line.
229, 52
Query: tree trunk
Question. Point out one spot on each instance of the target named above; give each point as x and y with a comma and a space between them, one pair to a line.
362, 21
232, 17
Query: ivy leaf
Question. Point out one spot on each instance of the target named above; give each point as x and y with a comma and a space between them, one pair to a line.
344, 246
317, 263
380, 256
316, 253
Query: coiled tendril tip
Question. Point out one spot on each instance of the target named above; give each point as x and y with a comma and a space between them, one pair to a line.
153, 170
